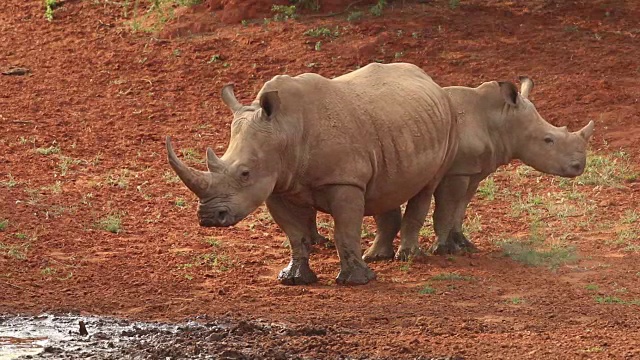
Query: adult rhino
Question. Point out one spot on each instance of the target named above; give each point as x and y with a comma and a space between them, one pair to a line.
360, 144
496, 125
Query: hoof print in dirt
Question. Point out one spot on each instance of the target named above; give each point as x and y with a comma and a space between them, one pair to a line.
297, 272
358, 275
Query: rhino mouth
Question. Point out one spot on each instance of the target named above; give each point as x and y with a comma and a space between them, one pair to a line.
218, 218
574, 169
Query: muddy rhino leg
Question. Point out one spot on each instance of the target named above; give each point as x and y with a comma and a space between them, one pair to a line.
346, 205
294, 221
412, 221
388, 225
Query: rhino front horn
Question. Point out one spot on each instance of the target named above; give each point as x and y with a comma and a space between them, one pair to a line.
197, 181
587, 131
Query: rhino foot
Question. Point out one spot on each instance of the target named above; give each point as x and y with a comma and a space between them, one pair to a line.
404, 254
357, 275
297, 272
447, 248
377, 254
463, 243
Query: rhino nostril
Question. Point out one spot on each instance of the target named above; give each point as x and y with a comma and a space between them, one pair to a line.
221, 215
576, 166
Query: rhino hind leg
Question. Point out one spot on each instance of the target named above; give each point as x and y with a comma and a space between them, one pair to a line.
388, 225
295, 221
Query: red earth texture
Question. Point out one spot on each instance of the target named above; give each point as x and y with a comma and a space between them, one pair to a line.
94, 222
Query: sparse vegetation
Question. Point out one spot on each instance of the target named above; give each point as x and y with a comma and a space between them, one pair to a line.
378, 8
487, 189
283, 12
17, 252
529, 253
111, 223
354, 16
4, 223
610, 170
180, 202
592, 287
49, 6
322, 32
454, 4
53, 149
427, 290
11, 182
515, 300
214, 58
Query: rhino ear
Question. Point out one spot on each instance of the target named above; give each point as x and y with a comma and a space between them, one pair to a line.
509, 92
270, 103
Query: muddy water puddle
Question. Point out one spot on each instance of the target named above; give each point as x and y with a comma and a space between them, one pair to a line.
50, 336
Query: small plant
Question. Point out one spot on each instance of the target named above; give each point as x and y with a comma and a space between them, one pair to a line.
515, 300
451, 277
399, 54
18, 252
49, 6
323, 32
318, 45
592, 287
283, 12
427, 290
244, 23
55, 188
212, 241
65, 163
48, 271
609, 300
453, 4
9, 183
181, 203
487, 189
111, 223
120, 180
214, 58
53, 149
378, 8
355, 16
473, 224
3, 224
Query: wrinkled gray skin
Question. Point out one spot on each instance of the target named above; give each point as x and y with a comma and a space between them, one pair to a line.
496, 124
360, 144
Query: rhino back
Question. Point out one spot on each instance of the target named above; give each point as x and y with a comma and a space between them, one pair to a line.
387, 129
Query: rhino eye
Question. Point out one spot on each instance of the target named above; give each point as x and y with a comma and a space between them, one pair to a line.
548, 140
244, 174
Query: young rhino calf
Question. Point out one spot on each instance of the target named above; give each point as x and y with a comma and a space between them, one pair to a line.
360, 144
495, 126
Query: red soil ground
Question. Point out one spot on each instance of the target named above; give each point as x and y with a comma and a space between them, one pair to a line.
107, 96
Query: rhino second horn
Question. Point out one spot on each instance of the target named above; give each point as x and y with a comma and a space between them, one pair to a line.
197, 181
213, 161
587, 131
526, 87
229, 98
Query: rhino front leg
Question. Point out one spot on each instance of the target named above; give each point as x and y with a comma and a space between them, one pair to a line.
295, 222
452, 197
346, 205
456, 235
412, 221
388, 225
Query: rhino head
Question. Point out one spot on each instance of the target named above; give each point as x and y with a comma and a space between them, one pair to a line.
243, 178
546, 148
